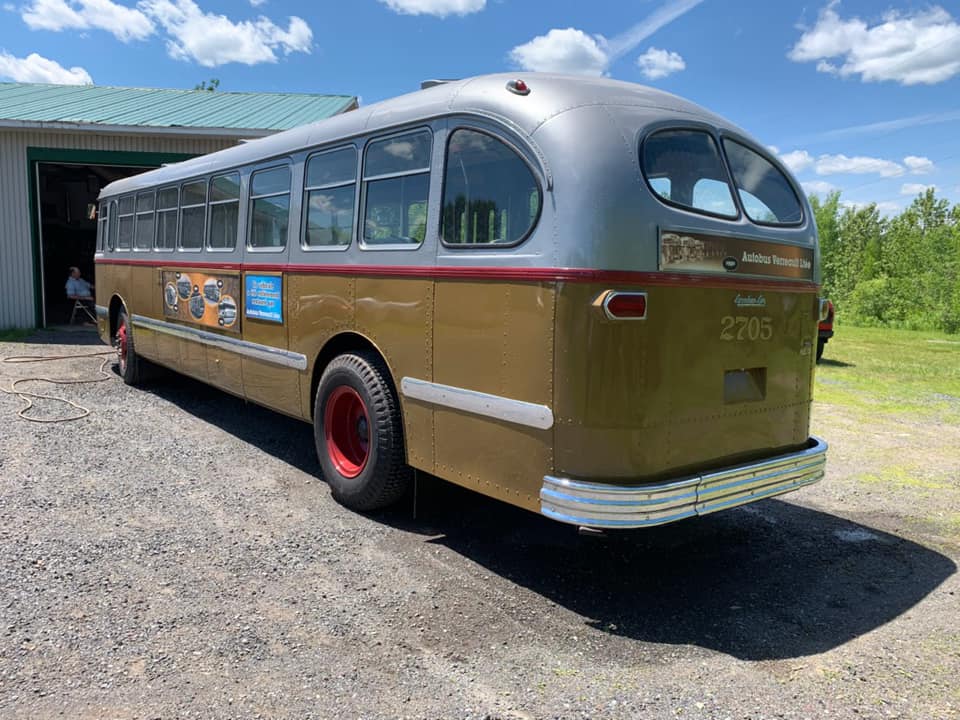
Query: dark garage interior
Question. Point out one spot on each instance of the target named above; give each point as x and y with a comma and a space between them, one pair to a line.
67, 201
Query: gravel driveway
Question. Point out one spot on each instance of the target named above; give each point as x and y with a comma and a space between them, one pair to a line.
173, 555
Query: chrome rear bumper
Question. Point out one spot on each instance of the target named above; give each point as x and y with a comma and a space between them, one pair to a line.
617, 506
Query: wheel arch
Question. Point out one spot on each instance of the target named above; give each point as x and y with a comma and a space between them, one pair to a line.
116, 304
339, 344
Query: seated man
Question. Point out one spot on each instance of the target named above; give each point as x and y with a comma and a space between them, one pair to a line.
80, 289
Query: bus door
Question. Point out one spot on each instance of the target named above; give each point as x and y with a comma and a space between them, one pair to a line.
270, 373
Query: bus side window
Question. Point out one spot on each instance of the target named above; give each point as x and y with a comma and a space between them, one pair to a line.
490, 195
269, 208
102, 227
143, 234
168, 202
125, 224
224, 211
329, 194
193, 213
112, 234
396, 182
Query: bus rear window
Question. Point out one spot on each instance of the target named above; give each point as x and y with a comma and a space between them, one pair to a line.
683, 167
765, 192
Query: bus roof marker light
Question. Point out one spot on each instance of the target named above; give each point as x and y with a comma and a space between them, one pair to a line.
518, 87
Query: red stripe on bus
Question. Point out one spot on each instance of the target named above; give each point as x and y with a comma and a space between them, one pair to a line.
535, 274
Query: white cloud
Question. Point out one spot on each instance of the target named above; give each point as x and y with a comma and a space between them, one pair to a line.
212, 40
656, 63
123, 22
258, 3
818, 187
37, 69
797, 161
564, 51
440, 8
911, 49
915, 188
918, 165
574, 51
859, 165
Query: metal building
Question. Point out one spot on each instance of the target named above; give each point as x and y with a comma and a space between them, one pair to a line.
59, 144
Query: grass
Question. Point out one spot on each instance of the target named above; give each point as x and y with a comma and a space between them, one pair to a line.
892, 372
14, 335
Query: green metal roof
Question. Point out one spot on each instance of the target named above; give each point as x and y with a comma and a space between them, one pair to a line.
30, 105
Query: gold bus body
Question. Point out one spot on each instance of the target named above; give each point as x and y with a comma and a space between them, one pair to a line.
514, 382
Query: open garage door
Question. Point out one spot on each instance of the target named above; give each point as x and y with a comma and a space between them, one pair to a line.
67, 195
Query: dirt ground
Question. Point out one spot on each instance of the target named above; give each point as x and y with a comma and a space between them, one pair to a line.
173, 555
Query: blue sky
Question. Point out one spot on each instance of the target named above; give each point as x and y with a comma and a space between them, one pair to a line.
858, 95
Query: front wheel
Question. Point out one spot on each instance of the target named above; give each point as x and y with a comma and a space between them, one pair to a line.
128, 363
359, 434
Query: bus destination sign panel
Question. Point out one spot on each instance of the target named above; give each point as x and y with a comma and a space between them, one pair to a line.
694, 252
201, 298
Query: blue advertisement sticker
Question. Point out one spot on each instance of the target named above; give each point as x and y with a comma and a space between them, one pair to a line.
263, 299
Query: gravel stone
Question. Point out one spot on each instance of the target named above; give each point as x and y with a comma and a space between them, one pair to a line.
174, 555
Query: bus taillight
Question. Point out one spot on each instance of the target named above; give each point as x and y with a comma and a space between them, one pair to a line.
625, 305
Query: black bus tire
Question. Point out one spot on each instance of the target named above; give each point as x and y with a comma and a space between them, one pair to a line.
129, 363
358, 432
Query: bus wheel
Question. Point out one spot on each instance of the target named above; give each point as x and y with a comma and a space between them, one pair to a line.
127, 361
359, 434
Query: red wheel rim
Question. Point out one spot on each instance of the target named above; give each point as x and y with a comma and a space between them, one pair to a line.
346, 428
122, 344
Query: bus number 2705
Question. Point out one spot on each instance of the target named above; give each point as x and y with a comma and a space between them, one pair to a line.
745, 328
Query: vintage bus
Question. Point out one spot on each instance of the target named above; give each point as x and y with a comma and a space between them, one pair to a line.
588, 298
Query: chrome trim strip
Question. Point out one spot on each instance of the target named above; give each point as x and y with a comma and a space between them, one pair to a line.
101, 311
478, 403
633, 506
266, 353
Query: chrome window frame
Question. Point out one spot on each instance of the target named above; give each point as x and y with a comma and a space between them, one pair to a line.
181, 207
208, 226
139, 213
443, 189
102, 222
176, 218
718, 146
251, 198
112, 226
739, 140
363, 180
122, 216
305, 207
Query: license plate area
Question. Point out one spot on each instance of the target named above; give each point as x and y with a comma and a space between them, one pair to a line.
744, 385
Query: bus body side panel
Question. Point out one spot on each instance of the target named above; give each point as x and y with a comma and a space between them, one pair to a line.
396, 315
143, 299
683, 390
266, 383
322, 306
494, 338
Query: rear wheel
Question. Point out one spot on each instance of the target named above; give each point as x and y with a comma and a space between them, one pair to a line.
359, 433
128, 363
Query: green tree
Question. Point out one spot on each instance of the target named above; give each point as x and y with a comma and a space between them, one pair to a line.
209, 86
